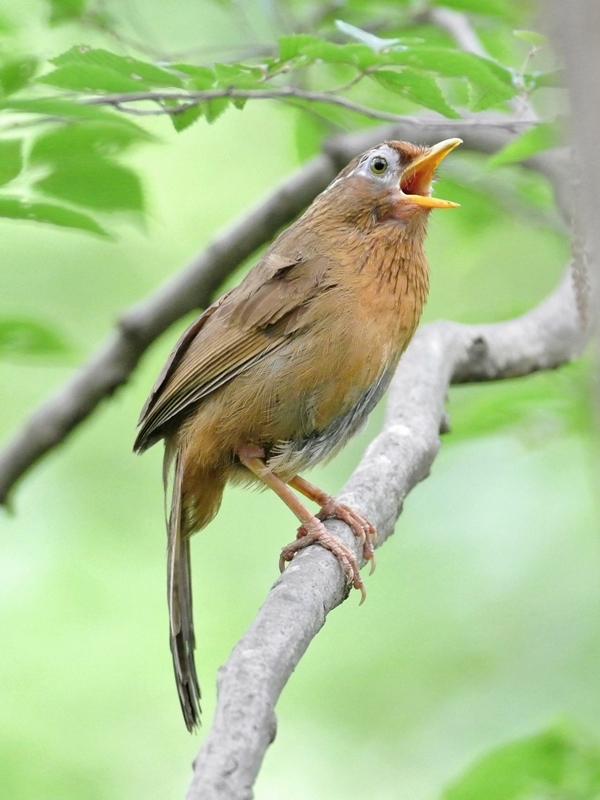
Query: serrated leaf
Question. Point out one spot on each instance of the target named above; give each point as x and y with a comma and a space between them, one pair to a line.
533, 37
374, 42
65, 10
16, 74
183, 119
94, 182
11, 159
313, 48
492, 78
135, 69
293, 46
92, 78
416, 86
540, 137
201, 77
15, 208
214, 108
29, 337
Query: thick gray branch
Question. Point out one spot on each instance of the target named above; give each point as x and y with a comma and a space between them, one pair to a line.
401, 455
112, 364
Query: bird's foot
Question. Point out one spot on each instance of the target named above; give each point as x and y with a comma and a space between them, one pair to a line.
314, 532
362, 528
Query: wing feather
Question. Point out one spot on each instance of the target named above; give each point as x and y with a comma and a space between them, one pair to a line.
238, 330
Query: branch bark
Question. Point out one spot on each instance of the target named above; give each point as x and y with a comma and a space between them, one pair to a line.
114, 361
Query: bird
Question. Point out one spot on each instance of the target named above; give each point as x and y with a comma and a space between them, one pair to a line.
280, 371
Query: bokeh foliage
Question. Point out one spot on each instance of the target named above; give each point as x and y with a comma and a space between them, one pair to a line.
481, 625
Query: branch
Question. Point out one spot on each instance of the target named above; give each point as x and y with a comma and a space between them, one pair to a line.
190, 99
296, 607
114, 361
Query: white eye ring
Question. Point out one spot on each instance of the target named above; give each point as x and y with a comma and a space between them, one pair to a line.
379, 165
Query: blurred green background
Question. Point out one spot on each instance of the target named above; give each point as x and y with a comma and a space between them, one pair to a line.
483, 618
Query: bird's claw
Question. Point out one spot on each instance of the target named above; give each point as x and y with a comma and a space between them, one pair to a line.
361, 527
314, 532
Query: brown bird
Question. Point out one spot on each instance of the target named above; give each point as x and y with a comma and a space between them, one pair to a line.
279, 372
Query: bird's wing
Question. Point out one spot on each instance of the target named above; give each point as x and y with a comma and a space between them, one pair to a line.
238, 330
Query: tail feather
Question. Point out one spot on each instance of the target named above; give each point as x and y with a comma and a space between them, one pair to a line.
179, 587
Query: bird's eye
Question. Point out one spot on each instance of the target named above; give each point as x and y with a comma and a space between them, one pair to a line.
379, 165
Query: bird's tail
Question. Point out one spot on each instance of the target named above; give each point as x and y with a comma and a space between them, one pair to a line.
189, 511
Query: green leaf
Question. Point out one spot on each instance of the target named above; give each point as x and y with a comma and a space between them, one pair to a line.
15, 74
533, 37
94, 182
540, 137
184, 119
555, 763
201, 77
496, 81
11, 159
313, 48
92, 78
28, 337
214, 108
140, 71
294, 46
71, 142
416, 86
65, 10
374, 42
15, 208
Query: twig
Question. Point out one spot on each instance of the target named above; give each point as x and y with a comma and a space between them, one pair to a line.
114, 361
121, 101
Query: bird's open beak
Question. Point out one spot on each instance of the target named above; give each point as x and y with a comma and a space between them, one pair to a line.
416, 179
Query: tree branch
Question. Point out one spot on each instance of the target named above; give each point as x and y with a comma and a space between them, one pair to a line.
190, 99
296, 607
114, 361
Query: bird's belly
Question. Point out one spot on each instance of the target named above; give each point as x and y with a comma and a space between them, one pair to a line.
288, 457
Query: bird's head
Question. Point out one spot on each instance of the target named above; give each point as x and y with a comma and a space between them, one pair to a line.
390, 182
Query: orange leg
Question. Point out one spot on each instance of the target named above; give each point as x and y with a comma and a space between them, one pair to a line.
313, 530
330, 507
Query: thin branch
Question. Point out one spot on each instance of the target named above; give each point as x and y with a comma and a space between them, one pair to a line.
114, 361
296, 607
122, 99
